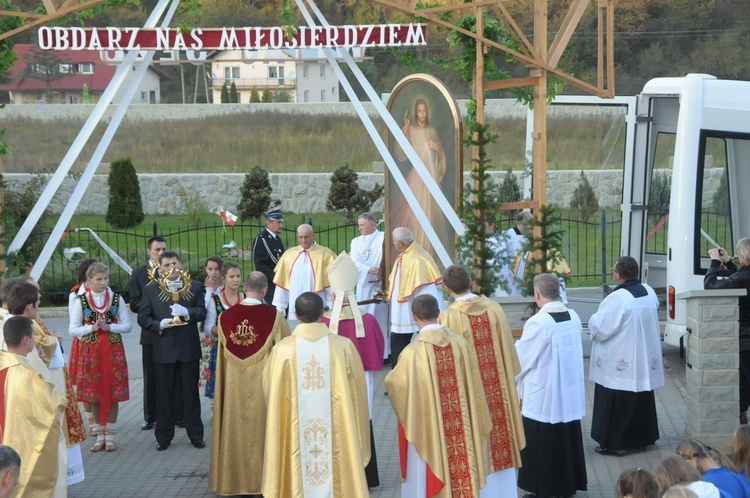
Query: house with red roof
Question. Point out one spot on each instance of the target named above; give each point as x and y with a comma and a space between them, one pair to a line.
72, 77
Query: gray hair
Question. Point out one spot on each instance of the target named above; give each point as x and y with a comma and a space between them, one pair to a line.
548, 286
403, 234
368, 216
305, 226
523, 215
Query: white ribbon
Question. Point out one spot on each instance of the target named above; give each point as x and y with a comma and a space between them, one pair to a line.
111, 252
88, 128
88, 174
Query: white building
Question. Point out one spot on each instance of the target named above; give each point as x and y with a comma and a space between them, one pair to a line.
304, 74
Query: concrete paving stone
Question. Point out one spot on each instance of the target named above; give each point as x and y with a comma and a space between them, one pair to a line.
137, 469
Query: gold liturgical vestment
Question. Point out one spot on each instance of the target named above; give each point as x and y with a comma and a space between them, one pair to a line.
434, 391
332, 379
321, 258
417, 269
247, 332
73, 428
30, 413
482, 322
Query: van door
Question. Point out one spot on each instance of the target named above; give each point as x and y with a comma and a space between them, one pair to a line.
647, 187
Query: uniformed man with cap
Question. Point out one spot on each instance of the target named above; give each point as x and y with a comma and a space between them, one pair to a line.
268, 248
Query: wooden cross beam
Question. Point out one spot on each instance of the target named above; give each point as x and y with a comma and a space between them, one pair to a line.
545, 60
54, 10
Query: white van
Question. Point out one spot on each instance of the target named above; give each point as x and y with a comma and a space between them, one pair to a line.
696, 131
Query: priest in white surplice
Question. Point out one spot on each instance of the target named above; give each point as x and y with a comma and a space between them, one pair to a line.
414, 273
515, 237
626, 364
367, 253
302, 268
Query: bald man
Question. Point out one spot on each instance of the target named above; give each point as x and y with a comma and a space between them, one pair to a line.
302, 268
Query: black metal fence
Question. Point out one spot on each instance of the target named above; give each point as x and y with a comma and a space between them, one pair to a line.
589, 247
194, 245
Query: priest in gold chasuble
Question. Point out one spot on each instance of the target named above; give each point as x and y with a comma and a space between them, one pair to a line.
317, 424
302, 268
247, 333
443, 420
30, 412
482, 322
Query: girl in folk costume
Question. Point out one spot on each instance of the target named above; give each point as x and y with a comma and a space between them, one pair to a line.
98, 319
228, 295
212, 284
75, 347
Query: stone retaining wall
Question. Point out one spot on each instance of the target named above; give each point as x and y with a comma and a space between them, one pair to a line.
306, 192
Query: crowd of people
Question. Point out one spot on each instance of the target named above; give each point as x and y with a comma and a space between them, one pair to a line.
695, 470
293, 347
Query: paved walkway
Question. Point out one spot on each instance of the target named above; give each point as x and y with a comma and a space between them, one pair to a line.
137, 469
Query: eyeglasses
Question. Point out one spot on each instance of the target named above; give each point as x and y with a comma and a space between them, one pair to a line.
612, 272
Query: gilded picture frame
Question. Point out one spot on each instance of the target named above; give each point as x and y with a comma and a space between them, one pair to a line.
444, 160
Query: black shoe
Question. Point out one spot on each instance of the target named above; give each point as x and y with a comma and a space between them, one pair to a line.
605, 451
180, 423
147, 426
162, 447
199, 444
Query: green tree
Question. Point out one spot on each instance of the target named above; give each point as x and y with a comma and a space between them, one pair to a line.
233, 99
125, 209
193, 205
720, 200
282, 96
347, 196
480, 198
254, 96
224, 94
660, 193
45, 66
17, 205
509, 190
255, 195
584, 199
267, 96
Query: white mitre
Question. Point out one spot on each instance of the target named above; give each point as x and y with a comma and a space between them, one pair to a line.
343, 277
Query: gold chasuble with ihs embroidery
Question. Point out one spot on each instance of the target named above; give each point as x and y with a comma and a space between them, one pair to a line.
318, 424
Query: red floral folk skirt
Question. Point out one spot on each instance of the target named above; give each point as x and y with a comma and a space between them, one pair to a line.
101, 367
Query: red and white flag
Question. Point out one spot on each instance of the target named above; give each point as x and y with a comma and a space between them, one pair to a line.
227, 217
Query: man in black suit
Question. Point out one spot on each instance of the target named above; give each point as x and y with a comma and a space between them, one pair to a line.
268, 248
139, 279
177, 352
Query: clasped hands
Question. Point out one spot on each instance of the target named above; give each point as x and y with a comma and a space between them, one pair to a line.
177, 310
100, 324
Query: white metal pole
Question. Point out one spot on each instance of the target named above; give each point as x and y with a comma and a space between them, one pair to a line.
83, 136
101, 149
380, 145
